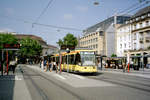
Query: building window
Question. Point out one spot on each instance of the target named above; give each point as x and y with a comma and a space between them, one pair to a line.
125, 45
96, 45
135, 26
93, 40
143, 17
120, 39
135, 36
134, 46
96, 39
140, 25
147, 23
120, 46
129, 45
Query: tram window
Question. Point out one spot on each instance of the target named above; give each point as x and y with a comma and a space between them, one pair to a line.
66, 59
77, 58
69, 59
57, 60
72, 59
63, 59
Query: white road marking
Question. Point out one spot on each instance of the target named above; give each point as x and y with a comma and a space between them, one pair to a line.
60, 76
80, 77
17, 78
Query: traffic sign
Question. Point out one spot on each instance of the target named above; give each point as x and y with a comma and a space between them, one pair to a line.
11, 46
70, 47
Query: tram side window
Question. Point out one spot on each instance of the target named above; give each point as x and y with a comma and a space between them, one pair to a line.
53, 59
77, 59
69, 59
72, 59
63, 59
66, 59
57, 60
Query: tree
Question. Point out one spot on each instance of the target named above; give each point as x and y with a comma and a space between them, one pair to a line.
69, 39
30, 47
60, 42
113, 55
7, 39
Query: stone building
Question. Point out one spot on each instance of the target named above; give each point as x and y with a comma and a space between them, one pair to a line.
47, 49
134, 36
101, 37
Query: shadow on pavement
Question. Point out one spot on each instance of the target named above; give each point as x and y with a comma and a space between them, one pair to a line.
89, 74
7, 83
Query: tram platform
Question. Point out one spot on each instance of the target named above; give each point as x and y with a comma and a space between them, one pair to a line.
145, 73
13, 86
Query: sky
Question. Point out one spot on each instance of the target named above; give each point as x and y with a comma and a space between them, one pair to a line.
18, 16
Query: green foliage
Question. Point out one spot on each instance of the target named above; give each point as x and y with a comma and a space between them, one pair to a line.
113, 55
7, 39
69, 39
148, 48
60, 42
30, 47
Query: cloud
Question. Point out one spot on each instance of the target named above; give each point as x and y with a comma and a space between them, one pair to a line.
82, 8
9, 11
68, 16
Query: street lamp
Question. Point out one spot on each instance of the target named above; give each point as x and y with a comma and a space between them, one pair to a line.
96, 3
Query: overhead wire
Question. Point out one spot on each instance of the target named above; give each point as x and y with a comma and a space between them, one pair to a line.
68, 28
44, 10
129, 8
46, 25
140, 6
134, 7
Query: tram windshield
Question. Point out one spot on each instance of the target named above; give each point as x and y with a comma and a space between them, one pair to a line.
87, 58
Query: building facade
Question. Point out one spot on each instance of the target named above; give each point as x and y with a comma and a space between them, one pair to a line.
101, 37
123, 39
47, 49
134, 36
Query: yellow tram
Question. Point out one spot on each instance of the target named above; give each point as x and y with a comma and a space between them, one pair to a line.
78, 60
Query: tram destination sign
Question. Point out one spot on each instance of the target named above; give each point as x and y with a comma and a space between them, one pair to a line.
11, 46
70, 47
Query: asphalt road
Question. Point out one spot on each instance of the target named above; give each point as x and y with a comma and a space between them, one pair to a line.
68, 86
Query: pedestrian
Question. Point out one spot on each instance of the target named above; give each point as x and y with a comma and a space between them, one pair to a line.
124, 67
51, 64
56, 67
47, 65
13, 68
42, 64
99, 65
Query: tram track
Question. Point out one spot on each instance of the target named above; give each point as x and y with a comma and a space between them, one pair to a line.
133, 85
40, 91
